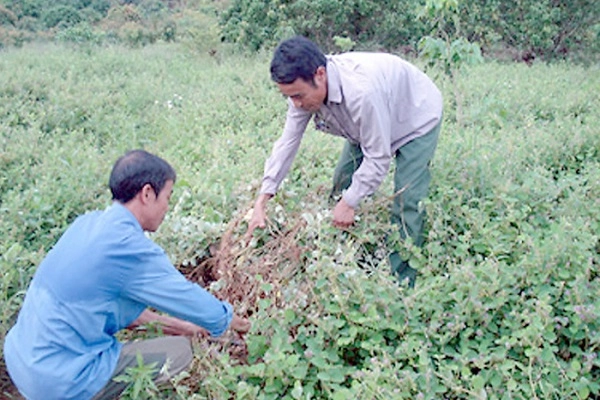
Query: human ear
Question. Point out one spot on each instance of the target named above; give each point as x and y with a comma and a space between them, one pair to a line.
320, 78
320, 73
147, 193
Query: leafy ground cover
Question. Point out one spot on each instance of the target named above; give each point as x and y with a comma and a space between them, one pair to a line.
507, 303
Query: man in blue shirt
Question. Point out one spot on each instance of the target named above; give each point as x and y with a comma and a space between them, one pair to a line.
100, 277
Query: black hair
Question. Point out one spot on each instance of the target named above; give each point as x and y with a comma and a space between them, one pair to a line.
294, 58
134, 170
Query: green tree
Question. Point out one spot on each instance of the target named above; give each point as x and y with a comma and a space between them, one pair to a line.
63, 15
262, 23
253, 23
7, 17
446, 47
543, 28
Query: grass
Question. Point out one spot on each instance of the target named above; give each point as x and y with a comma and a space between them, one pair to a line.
507, 301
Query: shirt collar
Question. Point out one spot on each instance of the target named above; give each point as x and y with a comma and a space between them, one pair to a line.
334, 85
123, 212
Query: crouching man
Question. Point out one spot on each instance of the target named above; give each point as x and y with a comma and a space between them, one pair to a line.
102, 276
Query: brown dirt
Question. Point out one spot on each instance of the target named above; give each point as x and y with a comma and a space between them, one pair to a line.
238, 265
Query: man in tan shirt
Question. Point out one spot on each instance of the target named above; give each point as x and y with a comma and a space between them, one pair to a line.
384, 107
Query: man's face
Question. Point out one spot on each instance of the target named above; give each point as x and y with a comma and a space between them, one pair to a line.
306, 95
158, 206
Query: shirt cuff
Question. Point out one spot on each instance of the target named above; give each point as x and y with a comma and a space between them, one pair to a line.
268, 187
351, 197
218, 331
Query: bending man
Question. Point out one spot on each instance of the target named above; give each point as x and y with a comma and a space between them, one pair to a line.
385, 108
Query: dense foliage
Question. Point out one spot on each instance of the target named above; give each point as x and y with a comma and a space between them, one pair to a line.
369, 22
507, 305
521, 28
134, 22
507, 29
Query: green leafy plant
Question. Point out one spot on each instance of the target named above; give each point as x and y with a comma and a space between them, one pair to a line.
139, 380
344, 43
451, 51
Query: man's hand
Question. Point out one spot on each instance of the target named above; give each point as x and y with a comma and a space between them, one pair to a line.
343, 214
240, 325
259, 217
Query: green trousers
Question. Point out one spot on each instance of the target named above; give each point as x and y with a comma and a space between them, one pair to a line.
411, 172
174, 351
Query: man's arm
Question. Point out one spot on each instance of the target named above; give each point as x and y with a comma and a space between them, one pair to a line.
168, 325
178, 327
279, 162
162, 287
375, 143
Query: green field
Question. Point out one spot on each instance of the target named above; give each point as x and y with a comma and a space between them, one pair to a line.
507, 305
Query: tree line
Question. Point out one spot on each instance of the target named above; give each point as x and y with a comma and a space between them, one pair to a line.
546, 29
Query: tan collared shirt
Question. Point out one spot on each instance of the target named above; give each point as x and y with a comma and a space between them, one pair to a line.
375, 100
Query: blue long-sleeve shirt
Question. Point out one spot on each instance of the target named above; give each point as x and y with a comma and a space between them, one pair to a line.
98, 278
